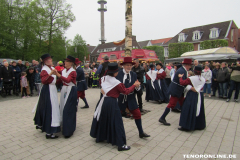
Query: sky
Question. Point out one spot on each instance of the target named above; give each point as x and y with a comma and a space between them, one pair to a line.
152, 19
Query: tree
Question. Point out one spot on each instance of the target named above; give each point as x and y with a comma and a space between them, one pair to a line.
59, 16
159, 50
79, 48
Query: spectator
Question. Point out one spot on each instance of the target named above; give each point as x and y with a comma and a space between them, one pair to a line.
222, 78
195, 63
27, 65
86, 71
168, 77
20, 65
6, 74
207, 75
145, 68
38, 81
30, 77
235, 81
24, 84
139, 72
16, 72
103, 67
93, 65
215, 85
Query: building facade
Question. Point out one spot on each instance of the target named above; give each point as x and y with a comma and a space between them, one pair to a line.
227, 30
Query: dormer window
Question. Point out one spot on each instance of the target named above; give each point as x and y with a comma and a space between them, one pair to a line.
214, 33
197, 35
182, 37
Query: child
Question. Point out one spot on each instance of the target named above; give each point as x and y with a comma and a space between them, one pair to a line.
24, 84
38, 82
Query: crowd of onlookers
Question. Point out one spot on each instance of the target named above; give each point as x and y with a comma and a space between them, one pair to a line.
223, 77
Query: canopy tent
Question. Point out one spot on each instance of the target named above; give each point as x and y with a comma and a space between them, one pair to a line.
141, 54
215, 54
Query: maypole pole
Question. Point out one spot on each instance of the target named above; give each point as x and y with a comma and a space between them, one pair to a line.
128, 32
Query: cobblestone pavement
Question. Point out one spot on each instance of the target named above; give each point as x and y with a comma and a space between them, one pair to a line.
20, 140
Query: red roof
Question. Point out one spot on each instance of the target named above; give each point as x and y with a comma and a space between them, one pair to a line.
141, 54
164, 40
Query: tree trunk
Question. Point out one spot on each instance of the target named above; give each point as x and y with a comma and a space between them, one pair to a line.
128, 32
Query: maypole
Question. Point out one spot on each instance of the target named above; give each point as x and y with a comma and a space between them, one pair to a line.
128, 32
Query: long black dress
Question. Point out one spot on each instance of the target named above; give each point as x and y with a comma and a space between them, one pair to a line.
109, 127
188, 118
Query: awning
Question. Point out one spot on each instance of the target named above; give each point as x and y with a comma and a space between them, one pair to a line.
220, 50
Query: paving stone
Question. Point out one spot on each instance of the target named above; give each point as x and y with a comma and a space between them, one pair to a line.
20, 140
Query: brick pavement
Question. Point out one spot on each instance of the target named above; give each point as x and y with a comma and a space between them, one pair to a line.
20, 140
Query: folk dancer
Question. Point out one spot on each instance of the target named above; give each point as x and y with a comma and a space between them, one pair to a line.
128, 78
161, 74
153, 91
47, 116
193, 115
107, 123
81, 84
68, 98
176, 90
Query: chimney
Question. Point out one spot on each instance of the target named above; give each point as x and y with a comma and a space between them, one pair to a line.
102, 9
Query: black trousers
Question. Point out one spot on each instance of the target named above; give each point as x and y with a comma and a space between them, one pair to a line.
168, 81
139, 97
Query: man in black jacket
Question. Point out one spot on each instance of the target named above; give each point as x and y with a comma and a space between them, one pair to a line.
6, 74
139, 71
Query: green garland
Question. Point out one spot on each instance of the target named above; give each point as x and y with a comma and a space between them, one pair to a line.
213, 44
177, 49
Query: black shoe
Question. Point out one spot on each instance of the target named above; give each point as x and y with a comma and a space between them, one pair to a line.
143, 135
182, 129
38, 127
160, 102
213, 95
227, 100
51, 136
147, 100
124, 148
176, 110
84, 107
141, 110
164, 122
67, 136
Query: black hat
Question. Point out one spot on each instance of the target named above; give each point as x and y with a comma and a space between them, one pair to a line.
198, 70
70, 58
160, 64
151, 66
112, 68
45, 56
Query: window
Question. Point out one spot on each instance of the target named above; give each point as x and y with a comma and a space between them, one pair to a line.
182, 37
166, 52
232, 32
214, 33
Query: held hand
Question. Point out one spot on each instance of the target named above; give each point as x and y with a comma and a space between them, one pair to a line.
193, 89
180, 75
102, 92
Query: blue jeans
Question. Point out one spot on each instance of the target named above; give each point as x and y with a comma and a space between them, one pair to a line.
223, 89
207, 87
234, 85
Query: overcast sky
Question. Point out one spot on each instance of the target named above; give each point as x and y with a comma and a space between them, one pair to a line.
152, 19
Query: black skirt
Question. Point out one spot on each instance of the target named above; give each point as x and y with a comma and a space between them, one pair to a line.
188, 118
69, 113
43, 115
151, 93
110, 125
